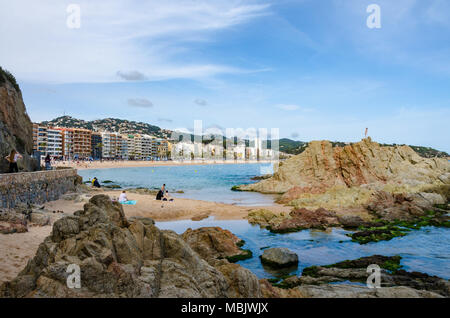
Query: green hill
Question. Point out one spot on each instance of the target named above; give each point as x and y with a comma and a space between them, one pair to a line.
122, 126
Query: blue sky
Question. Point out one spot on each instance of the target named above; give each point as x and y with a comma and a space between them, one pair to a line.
311, 68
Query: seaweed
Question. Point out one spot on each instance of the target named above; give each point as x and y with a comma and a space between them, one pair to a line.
240, 257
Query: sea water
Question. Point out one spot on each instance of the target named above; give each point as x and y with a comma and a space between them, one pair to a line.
200, 182
425, 250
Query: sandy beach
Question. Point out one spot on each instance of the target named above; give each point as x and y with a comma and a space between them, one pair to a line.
83, 165
18, 248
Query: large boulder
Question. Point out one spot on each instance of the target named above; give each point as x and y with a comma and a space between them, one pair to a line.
213, 243
123, 258
279, 257
322, 166
298, 219
399, 206
265, 218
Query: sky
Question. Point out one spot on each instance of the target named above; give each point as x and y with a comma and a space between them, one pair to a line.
312, 68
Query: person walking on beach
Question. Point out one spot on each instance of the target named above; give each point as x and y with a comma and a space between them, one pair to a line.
48, 161
12, 158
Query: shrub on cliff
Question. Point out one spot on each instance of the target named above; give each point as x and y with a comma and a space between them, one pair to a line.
7, 76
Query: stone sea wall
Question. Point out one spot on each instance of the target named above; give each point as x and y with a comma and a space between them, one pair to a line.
35, 187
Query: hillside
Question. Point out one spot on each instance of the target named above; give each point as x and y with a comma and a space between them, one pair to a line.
109, 124
288, 146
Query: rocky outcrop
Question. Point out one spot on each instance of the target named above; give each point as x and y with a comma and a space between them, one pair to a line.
16, 129
343, 291
301, 219
298, 219
214, 243
124, 258
346, 177
265, 218
395, 282
404, 207
279, 257
321, 168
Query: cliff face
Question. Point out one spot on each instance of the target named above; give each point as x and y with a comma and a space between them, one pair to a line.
16, 129
321, 167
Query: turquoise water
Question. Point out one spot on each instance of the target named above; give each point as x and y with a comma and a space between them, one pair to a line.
200, 182
424, 250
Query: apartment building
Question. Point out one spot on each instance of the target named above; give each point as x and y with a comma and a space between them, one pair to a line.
112, 145
40, 138
47, 141
124, 150
146, 142
54, 143
96, 145
76, 143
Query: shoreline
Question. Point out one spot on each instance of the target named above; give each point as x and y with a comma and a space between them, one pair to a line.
138, 164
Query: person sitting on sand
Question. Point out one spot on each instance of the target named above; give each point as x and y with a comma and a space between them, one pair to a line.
123, 197
167, 196
12, 158
95, 183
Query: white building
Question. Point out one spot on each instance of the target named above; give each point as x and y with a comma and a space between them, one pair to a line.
54, 143
112, 145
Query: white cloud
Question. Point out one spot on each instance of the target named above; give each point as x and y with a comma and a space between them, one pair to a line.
293, 107
146, 37
200, 102
140, 102
288, 107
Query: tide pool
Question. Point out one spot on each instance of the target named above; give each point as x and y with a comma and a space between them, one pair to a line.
425, 250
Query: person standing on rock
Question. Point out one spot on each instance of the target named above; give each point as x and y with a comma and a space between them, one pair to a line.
12, 158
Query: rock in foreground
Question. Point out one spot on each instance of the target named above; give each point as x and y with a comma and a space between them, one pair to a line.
279, 257
121, 258
214, 243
